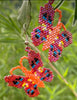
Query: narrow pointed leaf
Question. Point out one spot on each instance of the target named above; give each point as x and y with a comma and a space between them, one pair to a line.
75, 17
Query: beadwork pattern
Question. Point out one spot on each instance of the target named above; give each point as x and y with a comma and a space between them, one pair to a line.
36, 65
63, 39
53, 40
30, 82
46, 15
19, 81
49, 35
39, 35
32, 79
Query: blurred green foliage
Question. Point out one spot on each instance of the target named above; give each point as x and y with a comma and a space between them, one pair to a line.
12, 48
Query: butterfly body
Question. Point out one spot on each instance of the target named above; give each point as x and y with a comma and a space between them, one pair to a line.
51, 37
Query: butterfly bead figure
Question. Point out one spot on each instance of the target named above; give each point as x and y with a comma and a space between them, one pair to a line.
32, 79
48, 35
30, 82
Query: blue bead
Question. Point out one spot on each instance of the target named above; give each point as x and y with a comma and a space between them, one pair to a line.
17, 83
63, 35
35, 85
49, 22
32, 91
38, 30
21, 79
37, 62
58, 50
55, 52
45, 71
38, 35
66, 40
28, 90
51, 46
33, 66
41, 78
46, 75
44, 18
44, 38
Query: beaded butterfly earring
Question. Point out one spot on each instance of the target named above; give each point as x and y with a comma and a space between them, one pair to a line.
50, 36
34, 78
30, 82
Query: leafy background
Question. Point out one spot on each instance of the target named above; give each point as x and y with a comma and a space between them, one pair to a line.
12, 47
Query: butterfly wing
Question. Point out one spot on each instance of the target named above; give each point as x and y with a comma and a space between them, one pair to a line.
54, 52
45, 75
31, 89
36, 64
39, 35
34, 60
20, 81
46, 15
15, 80
66, 37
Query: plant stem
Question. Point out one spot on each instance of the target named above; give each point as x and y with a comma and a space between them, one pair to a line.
59, 4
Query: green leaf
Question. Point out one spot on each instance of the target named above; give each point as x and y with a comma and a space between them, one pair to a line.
14, 24
74, 85
8, 23
10, 40
3, 92
24, 13
4, 18
59, 78
66, 72
50, 91
75, 17
59, 4
60, 91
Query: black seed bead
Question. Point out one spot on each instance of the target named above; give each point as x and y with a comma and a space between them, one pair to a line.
65, 35
45, 14
32, 93
35, 59
51, 49
68, 38
48, 75
59, 53
54, 55
32, 63
14, 82
37, 36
